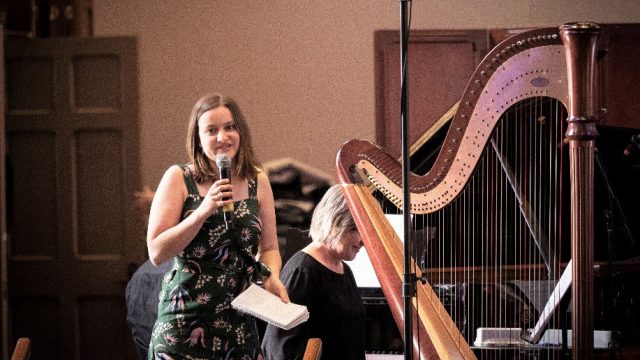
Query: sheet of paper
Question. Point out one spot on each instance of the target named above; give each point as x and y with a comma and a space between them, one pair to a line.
262, 304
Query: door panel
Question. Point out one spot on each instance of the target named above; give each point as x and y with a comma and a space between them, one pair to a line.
28, 148
100, 214
72, 134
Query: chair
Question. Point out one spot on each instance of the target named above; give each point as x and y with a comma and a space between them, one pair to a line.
313, 350
22, 350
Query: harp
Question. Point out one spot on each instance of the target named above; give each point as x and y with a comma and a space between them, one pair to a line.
507, 203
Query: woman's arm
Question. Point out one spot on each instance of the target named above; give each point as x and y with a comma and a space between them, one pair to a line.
268, 252
167, 236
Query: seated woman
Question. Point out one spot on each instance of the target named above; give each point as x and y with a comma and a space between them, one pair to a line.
317, 277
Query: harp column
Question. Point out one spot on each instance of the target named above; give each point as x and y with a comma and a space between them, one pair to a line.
580, 54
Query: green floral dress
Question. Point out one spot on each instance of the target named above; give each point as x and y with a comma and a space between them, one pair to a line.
195, 318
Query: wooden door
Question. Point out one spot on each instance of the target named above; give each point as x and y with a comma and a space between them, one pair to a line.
620, 75
72, 136
441, 63
4, 340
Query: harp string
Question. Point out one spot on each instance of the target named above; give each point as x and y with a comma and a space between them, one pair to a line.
477, 251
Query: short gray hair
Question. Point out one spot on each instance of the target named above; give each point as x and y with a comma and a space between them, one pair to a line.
331, 217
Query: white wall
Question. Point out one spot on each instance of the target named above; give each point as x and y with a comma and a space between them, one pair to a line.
302, 70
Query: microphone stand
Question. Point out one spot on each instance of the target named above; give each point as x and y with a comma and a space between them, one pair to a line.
409, 278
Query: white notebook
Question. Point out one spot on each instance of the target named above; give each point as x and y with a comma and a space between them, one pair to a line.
263, 305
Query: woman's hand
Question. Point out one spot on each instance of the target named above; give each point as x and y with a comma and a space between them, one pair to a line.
219, 194
275, 286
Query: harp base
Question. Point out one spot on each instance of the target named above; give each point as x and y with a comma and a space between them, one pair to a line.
498, 337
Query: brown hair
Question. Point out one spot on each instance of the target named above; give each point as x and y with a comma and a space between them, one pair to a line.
246, 163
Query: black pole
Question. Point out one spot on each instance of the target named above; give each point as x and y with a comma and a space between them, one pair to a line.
408, 289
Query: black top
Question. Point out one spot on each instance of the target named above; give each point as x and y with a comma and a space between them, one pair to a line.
336, 312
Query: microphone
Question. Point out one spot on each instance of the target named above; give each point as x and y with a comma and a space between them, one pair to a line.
634, 145
223, 161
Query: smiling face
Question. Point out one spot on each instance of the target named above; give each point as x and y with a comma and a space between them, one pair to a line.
333, 226
217, 125
218, 134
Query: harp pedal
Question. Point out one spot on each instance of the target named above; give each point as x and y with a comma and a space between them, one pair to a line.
491, 337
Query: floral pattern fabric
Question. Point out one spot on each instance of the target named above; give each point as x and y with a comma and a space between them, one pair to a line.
195, 318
